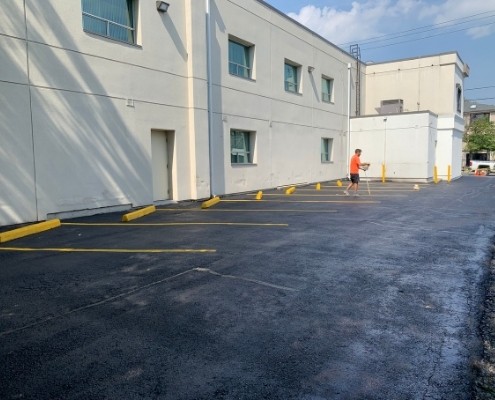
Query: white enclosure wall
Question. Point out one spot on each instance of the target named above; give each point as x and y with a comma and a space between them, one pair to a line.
78, 109
449, 147
287, 127
404, 143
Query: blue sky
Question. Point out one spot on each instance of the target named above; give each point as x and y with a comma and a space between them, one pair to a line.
379, 25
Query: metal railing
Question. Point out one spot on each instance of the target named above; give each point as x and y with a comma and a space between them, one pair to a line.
129, 37
239, 70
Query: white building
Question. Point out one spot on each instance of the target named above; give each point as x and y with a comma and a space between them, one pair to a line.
413, 118
112, 104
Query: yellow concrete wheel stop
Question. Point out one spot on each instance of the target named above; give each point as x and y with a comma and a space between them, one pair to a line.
138, 213
29, 230
211, 202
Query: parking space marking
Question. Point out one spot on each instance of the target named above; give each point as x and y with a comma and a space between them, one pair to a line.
175, 224
349, 201
82, 250
246, 210
333, 195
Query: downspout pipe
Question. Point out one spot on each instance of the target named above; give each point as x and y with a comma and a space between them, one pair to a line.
210, 96
349, 70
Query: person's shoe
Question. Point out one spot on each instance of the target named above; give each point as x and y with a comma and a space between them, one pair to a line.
346, 192
356, 195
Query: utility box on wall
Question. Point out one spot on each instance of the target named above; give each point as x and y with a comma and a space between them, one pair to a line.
395, 106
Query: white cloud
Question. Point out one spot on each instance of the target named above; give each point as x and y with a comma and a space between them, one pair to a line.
371, 18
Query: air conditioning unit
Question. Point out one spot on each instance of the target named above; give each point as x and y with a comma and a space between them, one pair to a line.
395, 106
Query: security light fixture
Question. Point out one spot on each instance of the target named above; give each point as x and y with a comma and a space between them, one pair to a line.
162, 6
311, 69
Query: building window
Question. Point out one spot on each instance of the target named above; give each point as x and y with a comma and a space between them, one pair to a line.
240, 58
326, 149
459, 98
110, 18
327, 90
291, 77
241, 147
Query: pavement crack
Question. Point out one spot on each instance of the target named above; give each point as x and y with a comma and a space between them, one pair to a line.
95, 304
255, 281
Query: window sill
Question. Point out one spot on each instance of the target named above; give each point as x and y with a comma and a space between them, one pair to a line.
243, 78
244, 165
112, 39
294, 93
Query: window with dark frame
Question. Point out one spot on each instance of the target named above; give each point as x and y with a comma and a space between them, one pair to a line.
327, 89
459, 98
110, 18
326, 149
240, 59
241, 147
291, 78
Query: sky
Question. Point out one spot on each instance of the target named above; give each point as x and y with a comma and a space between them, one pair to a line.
387, 30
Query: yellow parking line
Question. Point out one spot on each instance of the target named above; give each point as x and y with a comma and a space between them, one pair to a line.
76, 250
172, 224
336, 189
349, 201
330, 195
245, 210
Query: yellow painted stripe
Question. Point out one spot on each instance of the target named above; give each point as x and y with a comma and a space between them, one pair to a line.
211, 202
350, 200
335, 195
243, 210
76, 250
28, 230
173, 224
138, 213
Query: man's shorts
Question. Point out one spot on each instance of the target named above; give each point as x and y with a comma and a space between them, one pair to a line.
355, 178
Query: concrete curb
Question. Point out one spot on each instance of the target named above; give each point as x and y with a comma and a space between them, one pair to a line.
138, 213
29, 230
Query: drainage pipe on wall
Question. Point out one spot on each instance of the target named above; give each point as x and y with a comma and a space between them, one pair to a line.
210, 91
349, 66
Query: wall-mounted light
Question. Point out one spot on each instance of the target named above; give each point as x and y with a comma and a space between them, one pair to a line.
311, 69
162, 6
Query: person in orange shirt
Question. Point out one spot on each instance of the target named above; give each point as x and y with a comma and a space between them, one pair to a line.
355, 166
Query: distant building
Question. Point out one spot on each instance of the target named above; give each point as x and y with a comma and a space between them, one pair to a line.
413, 117
108, 105
473, 111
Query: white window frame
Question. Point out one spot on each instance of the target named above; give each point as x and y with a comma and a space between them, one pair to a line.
287, 84
327, 97
131, 29
249, 48
326, 150
249, 153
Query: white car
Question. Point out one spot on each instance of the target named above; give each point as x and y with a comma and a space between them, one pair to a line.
481, 164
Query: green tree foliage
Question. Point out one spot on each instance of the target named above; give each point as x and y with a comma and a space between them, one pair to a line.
480, 136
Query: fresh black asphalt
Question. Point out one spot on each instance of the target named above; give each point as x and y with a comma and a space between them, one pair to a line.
324, 297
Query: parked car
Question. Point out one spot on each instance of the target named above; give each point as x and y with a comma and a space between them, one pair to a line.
481, 164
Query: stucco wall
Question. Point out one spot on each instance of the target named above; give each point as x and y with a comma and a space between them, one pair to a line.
403, 143
289, 127
428, 83
71, 140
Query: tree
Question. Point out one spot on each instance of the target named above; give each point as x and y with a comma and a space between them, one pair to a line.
480, 136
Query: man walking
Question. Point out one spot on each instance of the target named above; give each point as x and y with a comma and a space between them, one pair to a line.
355, 166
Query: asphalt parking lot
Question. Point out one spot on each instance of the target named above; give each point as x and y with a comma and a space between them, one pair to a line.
308, 296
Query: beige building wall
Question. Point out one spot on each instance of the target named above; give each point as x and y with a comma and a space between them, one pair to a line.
288, 127
77, 110
426, 83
